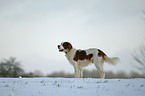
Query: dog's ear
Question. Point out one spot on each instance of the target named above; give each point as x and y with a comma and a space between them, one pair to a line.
69, 46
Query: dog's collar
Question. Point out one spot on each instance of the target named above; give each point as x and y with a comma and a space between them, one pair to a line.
68, 51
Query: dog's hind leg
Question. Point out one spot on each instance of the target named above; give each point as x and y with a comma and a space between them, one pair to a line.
101, 72
99, 66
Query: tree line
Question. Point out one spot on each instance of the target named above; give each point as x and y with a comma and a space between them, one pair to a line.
95, 74
12, 68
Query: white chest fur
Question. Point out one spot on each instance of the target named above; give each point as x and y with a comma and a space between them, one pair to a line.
70, 56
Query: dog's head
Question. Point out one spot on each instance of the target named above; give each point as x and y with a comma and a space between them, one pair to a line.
65, 47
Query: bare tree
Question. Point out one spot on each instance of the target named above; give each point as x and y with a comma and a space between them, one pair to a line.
139, 55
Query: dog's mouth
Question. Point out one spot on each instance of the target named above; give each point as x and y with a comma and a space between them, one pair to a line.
60, 50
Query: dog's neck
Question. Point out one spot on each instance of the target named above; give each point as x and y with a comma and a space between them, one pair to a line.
70, 54
71, 51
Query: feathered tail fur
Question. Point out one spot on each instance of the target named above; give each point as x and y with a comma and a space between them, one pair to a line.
112, 61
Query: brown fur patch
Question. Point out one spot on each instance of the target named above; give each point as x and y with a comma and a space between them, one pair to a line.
82, 55
67, 45
101, 54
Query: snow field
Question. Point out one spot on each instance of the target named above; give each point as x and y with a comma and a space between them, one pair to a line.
71, 87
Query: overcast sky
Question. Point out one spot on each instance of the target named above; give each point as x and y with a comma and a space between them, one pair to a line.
30, 30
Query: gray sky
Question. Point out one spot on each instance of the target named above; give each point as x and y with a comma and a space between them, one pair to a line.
30, 30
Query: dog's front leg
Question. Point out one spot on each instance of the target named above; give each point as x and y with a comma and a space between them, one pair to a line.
81, 73
77, 73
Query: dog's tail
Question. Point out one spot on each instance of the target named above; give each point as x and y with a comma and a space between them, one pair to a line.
112, 61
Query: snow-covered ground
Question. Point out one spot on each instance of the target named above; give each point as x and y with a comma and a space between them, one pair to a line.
71, 87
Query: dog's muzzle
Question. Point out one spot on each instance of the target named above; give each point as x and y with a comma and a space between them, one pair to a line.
60, 50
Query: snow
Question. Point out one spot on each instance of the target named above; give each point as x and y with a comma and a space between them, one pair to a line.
71, 87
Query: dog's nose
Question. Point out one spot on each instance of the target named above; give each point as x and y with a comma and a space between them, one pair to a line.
58, 46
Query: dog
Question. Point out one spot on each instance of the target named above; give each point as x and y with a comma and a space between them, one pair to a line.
82, 58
